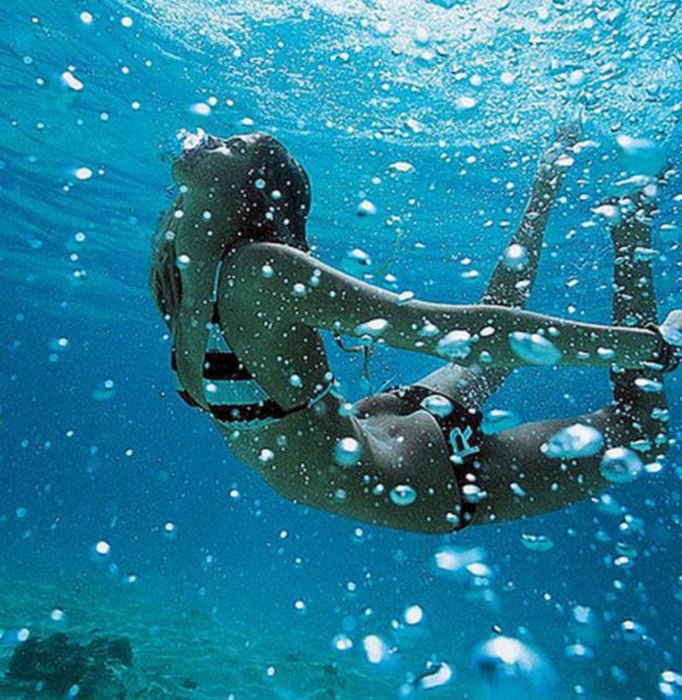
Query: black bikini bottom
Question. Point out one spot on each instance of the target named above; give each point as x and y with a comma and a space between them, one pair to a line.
462, 432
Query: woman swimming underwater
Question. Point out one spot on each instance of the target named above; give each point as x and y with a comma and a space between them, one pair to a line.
245, 303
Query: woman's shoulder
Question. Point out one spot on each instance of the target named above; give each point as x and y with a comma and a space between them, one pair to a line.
251, 257
253, 273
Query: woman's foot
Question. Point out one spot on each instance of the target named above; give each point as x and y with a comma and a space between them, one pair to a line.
559, 157
635, 197
671, 328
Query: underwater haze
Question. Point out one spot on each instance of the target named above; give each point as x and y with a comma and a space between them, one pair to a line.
122, 513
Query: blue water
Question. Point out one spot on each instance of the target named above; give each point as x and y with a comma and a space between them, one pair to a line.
206, 565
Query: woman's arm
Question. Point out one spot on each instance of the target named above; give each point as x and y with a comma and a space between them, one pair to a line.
282, 284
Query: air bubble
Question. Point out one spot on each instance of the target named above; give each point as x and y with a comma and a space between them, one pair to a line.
347, 452
437, 405
632, 631
401, 166
496, 420
515, 257
72, 82
366, 208
537, 543
182, 262
102, 548
670, 685
403, 495
342, 642
104, 391
356, 261
619, 465
574, 442
455, 345
534, 348
374, 328
265, 456
376, 650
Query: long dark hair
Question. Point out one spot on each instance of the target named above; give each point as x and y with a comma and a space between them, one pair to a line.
164, 276
276, 196
275, 202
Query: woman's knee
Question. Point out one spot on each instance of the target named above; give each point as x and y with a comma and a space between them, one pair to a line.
643, 428
468, 386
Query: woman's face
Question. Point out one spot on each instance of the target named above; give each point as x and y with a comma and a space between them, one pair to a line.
216, 167
224, 193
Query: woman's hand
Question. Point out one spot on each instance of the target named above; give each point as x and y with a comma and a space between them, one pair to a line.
671, 334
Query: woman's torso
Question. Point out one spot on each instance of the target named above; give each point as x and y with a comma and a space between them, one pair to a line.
296, 454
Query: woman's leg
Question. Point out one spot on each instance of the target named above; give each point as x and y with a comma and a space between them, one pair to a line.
520, 479
634, 304
512, 280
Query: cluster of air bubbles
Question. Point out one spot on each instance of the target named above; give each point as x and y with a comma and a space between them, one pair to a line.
533, 348
670, 685
620, 465
457, 561
190, 140
574, 442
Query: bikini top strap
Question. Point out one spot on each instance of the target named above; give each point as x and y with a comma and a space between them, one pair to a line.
215, 314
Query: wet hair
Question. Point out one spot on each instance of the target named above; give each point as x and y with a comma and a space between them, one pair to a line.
276, 196
275, 202
164, 276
